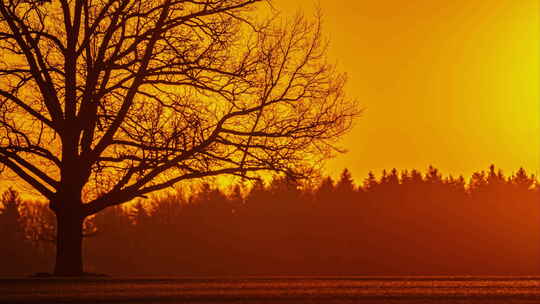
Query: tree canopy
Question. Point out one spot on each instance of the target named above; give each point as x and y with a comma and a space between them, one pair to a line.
103, 101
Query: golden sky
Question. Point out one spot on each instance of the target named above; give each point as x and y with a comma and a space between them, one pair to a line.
453, 83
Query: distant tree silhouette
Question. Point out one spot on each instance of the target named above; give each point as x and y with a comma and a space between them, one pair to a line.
16, 250
105, 102
325, 191
397, 223
522, 181
345, 182
11, 226
370, 182
41, 224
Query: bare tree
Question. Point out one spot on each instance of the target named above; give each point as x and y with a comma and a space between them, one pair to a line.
103, 101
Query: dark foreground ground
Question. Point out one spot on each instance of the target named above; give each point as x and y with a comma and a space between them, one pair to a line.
372, 290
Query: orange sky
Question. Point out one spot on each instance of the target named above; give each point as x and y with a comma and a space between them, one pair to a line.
449, 83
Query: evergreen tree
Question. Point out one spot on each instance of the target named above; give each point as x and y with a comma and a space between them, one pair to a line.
345, 183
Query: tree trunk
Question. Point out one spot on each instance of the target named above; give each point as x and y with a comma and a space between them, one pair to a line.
69, 237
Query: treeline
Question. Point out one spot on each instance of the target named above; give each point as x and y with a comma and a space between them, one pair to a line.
399, 223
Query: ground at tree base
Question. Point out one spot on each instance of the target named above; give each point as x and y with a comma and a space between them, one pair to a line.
287, 290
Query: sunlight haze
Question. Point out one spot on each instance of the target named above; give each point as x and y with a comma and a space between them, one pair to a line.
453, 84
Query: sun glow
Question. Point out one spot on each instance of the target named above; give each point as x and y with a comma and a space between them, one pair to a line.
453, 84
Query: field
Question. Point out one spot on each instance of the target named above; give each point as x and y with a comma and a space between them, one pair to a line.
372, 290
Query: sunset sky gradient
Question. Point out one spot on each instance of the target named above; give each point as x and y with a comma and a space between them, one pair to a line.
454, 84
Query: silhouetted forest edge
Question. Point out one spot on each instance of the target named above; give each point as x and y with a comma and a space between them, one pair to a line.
397, 223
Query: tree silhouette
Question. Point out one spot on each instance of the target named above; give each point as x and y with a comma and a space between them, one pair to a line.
345, 183
11, 226
107, 101
16, 249
410, 222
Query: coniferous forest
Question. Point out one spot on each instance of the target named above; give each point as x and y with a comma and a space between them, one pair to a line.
395, 223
